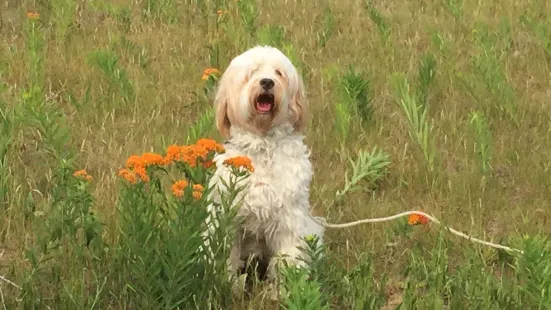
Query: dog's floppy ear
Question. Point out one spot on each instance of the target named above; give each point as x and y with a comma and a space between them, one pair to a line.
299, 106
223, 123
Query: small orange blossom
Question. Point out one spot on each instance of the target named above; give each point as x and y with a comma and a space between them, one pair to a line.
415, 219
83, 174
128, 175
80, 173
208, 72
240, 161
33, 15
178, 188
197, 195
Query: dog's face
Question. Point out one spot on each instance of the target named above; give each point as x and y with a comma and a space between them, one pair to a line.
259, 90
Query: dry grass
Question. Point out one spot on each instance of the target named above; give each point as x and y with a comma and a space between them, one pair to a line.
511, 199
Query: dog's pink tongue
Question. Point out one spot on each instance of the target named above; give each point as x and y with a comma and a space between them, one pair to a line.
264, 106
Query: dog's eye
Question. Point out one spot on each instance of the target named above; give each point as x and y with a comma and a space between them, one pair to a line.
279, 73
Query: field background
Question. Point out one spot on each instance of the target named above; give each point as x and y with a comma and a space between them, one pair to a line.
98, 81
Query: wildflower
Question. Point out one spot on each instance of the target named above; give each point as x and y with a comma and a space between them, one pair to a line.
197, 195
33, 15
83, 174
190, 154
415, 219
211, 145
128, 175
197, 191
172, 154
134, 161
141, 173
240, 161
178, 188
208, 164
80, 173
221, 12
208, 72
152, 159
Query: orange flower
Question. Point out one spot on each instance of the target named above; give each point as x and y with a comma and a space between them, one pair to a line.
142, 173
190, 154
211, 145
208, 164
80, 173
83, 174
128, 175
197, 195
178, 188
415, 219
33, 15
172, 154
151, 159
139, 164
240, 161
208, 72
146, 159
197, 191
134, 161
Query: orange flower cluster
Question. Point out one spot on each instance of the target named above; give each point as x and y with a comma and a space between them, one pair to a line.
83, 174
197, 191
33, 15
221, 12
178, 189
136, 166
415, 219
208, 72
240, 161
191, 153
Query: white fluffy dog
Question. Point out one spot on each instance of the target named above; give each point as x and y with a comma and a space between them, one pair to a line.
260, 108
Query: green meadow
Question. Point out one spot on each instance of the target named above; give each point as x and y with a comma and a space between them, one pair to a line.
440, 106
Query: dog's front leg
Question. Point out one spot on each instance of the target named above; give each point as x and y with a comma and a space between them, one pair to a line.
285, 247
286, 251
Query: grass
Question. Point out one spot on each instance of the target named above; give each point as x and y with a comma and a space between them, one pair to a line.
440, 106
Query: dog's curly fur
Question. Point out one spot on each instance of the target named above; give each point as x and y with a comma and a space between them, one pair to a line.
275, 213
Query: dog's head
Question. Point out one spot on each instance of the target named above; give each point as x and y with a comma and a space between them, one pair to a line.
259, 90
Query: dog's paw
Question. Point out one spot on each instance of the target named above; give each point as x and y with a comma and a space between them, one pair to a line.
272, 292
239, 286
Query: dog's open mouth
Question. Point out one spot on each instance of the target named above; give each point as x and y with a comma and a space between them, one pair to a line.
264, 103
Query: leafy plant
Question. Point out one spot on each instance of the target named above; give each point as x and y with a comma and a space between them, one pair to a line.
356, 93
483, 139
161, 248
107, 62
489, 67
369, 168
427, 72
380, 21
420, 128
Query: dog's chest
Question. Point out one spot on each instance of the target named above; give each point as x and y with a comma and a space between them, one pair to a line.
280, 178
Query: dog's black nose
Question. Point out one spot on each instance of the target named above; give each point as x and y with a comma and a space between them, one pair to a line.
267, 84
